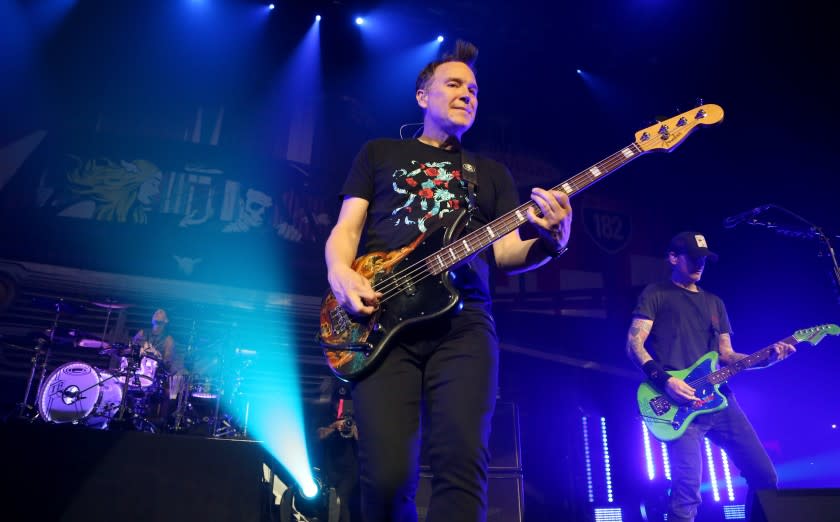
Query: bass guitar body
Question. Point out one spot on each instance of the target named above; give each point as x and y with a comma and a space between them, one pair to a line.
353, 345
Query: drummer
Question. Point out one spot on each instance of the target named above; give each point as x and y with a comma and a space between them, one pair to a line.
159, 344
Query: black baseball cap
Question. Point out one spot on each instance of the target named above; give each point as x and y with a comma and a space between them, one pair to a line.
692, 244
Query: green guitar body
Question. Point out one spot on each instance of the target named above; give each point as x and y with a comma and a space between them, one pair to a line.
664, 417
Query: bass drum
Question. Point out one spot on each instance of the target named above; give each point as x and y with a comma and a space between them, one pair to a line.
79, 393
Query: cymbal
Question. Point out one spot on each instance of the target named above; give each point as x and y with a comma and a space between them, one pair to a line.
64, 335
118, 349
111, 305
89, 342
17, 347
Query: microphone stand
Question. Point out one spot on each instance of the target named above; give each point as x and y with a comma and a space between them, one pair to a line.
830, 252
812, 232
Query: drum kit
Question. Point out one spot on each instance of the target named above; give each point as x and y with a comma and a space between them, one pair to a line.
136, 392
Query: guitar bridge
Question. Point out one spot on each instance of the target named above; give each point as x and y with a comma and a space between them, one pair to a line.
660, 405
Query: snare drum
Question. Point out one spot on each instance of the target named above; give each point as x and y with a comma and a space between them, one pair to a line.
79, 393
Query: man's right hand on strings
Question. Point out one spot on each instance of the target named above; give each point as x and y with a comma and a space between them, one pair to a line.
680, 390
353, 291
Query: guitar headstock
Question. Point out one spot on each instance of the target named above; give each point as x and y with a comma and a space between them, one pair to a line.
666, 135
815, 334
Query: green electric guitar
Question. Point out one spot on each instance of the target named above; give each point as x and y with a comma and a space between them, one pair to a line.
667, 419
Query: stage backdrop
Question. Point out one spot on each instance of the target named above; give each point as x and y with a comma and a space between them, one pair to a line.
164, 209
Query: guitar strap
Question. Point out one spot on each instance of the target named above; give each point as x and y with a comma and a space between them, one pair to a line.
469, 171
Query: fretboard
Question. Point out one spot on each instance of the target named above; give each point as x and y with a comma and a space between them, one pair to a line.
478, 240
747, 362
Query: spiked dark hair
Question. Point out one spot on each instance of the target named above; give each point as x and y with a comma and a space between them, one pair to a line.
464, 52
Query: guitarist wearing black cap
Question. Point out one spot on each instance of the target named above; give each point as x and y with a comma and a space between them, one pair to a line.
674, 324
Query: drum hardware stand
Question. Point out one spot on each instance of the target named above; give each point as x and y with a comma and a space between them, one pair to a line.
59, 305
24, 406
105, 329
181, 408
215, 427
132, 365
186, 385
245, 420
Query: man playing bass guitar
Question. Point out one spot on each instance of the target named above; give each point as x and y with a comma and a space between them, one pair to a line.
446, 367
675, 323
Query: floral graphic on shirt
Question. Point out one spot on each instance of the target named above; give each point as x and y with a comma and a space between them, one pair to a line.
429, 189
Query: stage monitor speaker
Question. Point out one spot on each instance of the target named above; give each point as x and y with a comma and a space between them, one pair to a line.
69, 473
504, 497
786, 505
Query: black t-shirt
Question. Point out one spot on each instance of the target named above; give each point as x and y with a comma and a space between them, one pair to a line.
412, 186
686, 324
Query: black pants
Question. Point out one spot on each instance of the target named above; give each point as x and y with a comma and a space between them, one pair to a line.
729, 429
448, 369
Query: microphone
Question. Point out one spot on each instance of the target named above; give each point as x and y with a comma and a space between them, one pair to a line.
731, 221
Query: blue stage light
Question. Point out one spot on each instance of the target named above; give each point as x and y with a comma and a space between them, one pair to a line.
735, 512
310, 489
578, 71
588, 460
360, 20
666, 462
727, 475
607, 467
712, 472
317, 18
440, 38
608, 515
648, 453
271, 6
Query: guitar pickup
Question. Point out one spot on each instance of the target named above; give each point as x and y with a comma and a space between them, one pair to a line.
406, 285
339, 320
660, 405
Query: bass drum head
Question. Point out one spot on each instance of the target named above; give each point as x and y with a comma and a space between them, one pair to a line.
79, 393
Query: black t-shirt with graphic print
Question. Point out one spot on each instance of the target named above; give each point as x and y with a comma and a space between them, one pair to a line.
411, 186
686, 324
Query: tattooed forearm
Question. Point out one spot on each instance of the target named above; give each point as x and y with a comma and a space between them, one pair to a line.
636, 337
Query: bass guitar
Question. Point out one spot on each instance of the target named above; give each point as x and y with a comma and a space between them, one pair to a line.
416, 281
668, 419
